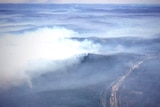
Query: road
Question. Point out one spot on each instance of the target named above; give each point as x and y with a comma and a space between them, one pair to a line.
115, 87
116, 84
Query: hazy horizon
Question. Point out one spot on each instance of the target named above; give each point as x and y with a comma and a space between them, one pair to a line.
83, 1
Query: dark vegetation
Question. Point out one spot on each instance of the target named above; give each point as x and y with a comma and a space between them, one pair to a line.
79, 86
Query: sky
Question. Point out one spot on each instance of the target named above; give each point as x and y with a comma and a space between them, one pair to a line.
83, 1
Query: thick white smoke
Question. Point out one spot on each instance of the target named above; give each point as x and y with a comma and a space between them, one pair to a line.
28, 54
